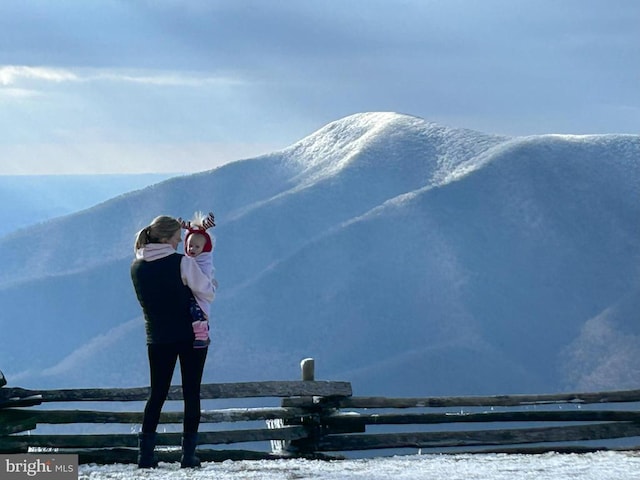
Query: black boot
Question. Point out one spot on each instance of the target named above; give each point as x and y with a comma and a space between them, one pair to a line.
189, 443
146, 444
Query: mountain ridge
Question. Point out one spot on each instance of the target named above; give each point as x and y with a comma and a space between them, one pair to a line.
282, 182
482, 279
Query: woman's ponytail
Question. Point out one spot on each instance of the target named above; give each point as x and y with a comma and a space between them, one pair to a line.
162, 228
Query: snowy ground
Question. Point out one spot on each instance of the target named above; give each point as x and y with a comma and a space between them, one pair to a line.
591, 466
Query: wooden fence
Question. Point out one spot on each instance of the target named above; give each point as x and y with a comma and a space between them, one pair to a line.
320, 418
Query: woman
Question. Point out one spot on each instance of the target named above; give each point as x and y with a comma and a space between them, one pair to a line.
164, 281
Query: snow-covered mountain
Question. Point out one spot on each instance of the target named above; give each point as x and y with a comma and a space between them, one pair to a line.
407, 257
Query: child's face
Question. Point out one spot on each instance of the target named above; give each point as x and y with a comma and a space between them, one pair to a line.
195, 244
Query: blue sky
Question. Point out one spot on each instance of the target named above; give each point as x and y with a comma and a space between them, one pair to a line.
118, 86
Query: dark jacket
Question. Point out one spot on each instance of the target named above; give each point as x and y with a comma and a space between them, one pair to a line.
164, 299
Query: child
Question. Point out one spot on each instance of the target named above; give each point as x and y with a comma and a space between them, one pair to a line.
199, 245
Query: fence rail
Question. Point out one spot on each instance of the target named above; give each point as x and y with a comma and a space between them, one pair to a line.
207, 391
620, 396
321, 418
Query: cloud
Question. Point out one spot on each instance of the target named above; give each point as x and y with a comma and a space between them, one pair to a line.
14, 74
165, 79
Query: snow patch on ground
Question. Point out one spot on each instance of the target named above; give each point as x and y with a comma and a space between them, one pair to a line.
552, 466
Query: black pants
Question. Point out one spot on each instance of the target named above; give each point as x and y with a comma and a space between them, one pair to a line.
162, 363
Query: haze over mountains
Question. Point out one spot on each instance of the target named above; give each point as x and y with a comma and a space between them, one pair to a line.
405, 256
31, 199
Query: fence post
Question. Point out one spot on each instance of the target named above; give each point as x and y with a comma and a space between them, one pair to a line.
308, 366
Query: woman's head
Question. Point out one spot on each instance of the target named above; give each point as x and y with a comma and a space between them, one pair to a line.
163, 229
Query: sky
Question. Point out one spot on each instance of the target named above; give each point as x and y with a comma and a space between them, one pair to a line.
141, 86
